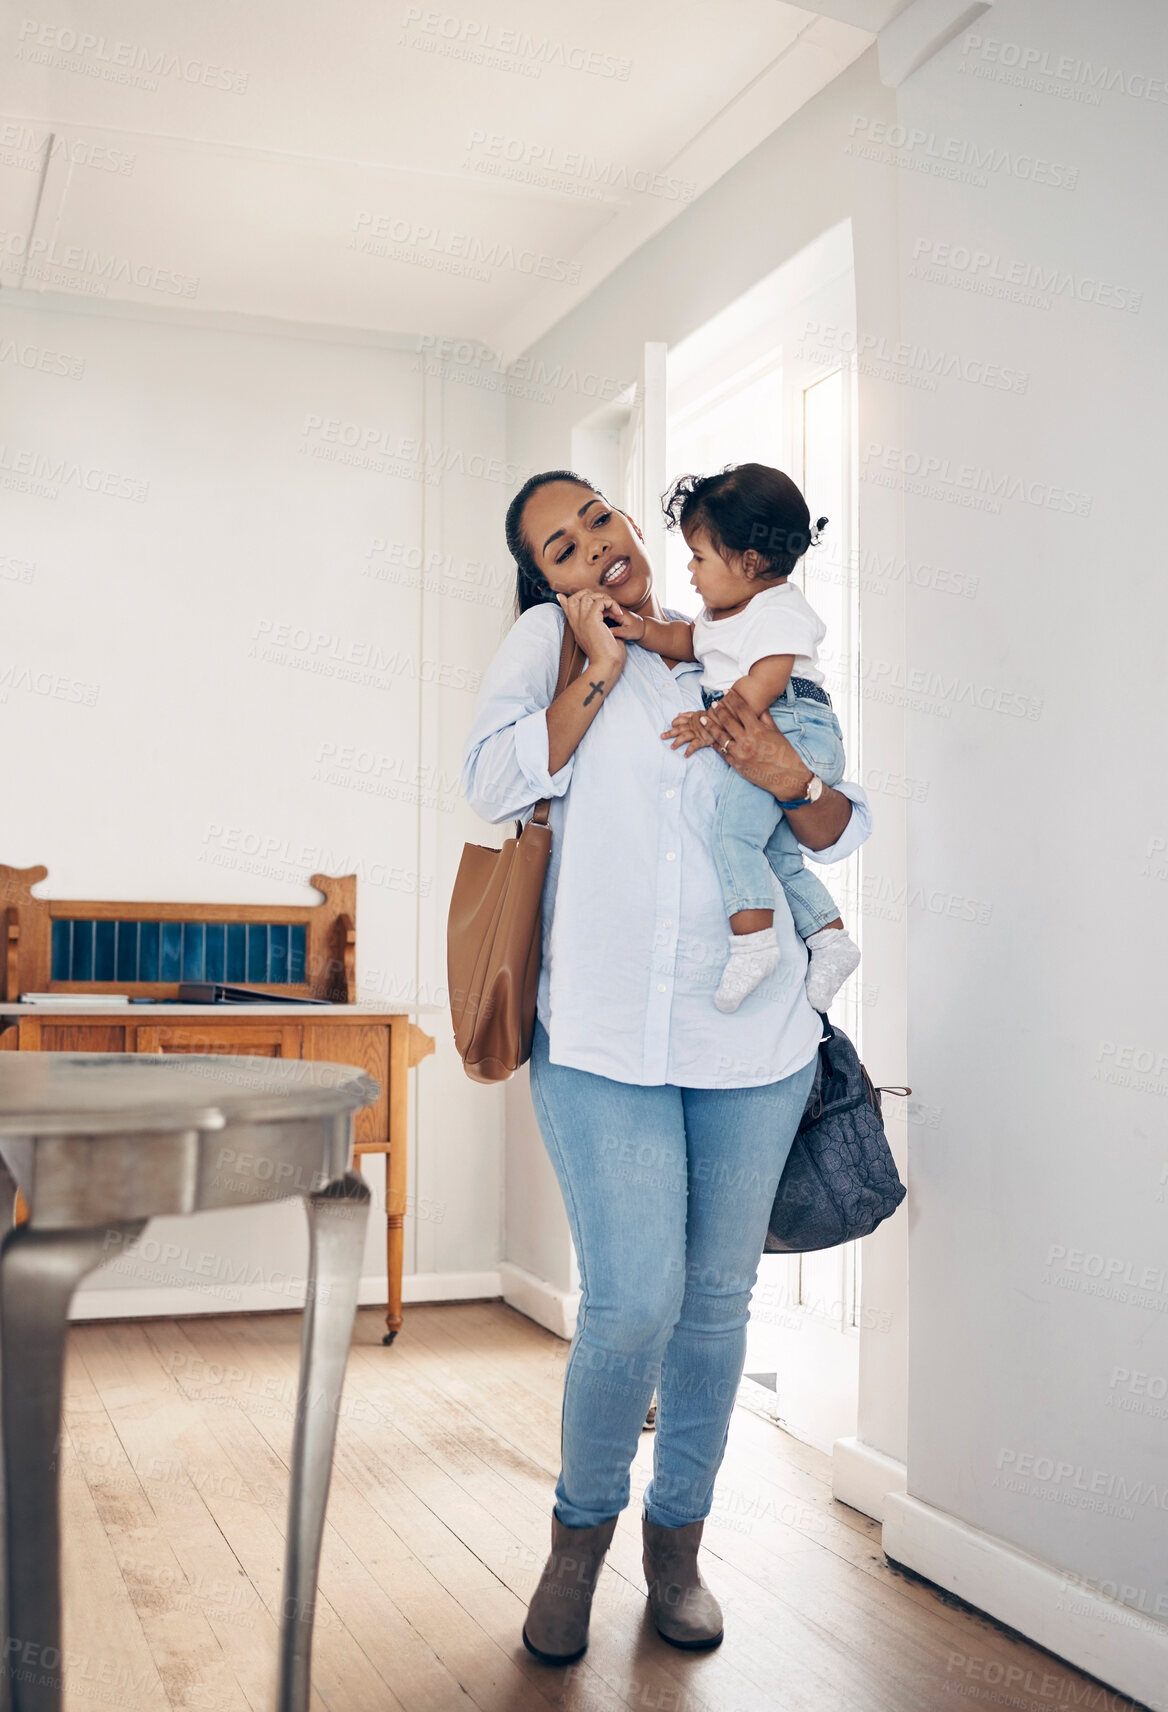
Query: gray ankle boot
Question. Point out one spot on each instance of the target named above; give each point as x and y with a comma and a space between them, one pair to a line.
556, 1630
684, 1610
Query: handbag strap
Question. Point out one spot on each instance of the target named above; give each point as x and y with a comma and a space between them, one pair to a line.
825, 1062
569, 668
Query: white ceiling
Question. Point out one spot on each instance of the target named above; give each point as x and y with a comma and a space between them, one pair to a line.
355, 165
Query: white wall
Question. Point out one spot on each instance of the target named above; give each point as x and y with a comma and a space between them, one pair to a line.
801, 182
195, 763
1038, 1025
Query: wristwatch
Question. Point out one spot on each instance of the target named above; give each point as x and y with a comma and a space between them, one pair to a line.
814, 792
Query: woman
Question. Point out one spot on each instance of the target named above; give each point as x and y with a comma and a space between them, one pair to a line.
667, 1121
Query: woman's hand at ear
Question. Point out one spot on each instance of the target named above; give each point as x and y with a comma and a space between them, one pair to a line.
573, 710
585, 611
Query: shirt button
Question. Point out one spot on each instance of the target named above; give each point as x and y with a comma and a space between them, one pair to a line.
668, 923
671, 855
670, 793
660, 986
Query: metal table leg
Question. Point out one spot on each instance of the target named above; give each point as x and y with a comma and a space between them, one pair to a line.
39, 1271
7, 1223
337, 1217
7, 1198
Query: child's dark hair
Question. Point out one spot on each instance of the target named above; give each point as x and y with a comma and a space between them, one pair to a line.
747, 507
531, 586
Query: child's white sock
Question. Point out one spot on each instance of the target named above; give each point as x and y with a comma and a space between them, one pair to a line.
834, 955
753, 956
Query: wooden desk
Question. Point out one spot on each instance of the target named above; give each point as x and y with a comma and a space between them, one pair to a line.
385, 1044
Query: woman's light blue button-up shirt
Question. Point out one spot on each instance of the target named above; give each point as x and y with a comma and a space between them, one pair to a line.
635, 933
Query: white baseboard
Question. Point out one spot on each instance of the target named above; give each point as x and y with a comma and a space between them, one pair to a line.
862, 1477
177, 1301
1110, 1641
539, 1300
441, 1287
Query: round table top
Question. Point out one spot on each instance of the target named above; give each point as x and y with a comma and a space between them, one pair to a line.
96, 1093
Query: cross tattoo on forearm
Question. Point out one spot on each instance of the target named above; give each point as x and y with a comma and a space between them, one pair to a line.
597, 689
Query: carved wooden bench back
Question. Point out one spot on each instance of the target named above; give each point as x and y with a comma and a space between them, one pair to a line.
56, 945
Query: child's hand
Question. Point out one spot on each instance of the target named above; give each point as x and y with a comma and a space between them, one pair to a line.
686, 729
629, 626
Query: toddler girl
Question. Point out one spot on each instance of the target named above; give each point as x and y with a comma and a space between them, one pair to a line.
747, 528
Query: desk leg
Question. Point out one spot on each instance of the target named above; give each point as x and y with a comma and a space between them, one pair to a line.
395, 1249
39, 1271
337, 1217
396, 1174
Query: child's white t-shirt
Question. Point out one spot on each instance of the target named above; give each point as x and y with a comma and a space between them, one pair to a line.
777, 620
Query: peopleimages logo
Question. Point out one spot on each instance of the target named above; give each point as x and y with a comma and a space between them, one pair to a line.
59, 685
869, 353
1075, 75
504, 49
368, 446
27, 470
28, 356
887, 899
526, 376
986, 269
1142, 1069
926, 690
1111, 1268
1074, 1477
119, 61
972, 484
27, 149
910, 146
494, 149
353, 659
77, 266
433, 246
1156, 855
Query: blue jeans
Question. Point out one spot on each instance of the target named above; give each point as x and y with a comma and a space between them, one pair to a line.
668, 1193
751, 833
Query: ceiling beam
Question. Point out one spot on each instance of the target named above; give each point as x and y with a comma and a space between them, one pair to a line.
870, 15
56, 174
919, 31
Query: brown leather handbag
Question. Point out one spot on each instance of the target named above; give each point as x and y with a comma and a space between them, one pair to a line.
493, 933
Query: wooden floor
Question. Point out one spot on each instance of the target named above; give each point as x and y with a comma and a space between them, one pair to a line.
174, 1473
